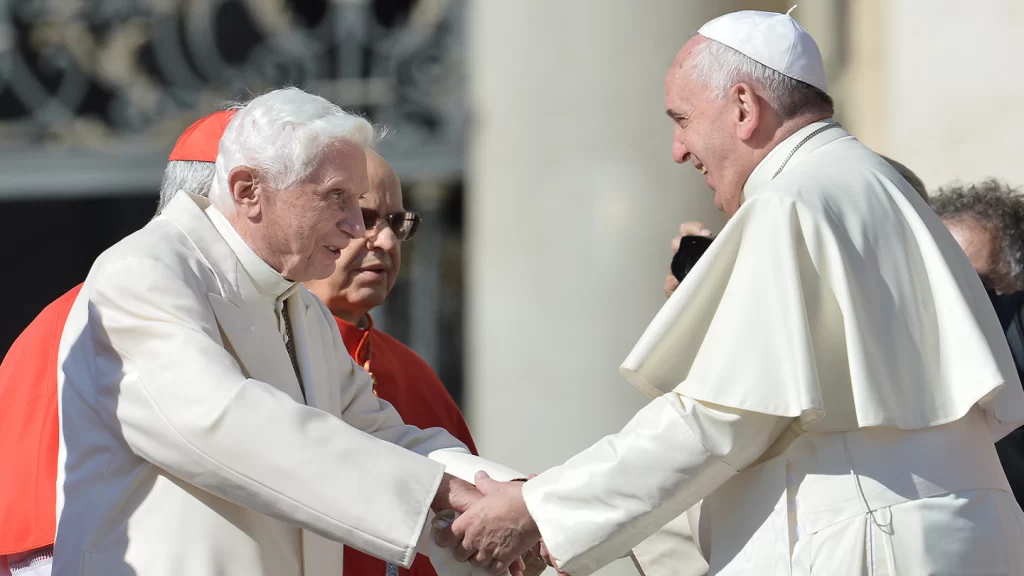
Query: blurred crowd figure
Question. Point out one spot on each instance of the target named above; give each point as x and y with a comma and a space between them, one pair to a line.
987, 220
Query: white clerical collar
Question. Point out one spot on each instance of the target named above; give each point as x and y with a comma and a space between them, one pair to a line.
780, 155
268, 281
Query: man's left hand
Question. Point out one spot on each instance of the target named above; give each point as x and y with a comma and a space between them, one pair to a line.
454, 494
496, 530
691, 228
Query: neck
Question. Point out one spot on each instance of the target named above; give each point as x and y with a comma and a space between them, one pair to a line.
779, 131
355, 317
252, 240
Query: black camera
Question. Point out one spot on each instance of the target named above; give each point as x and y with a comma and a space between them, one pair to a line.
691, 248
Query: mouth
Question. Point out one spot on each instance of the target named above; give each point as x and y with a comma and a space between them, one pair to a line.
700, 167
373, 271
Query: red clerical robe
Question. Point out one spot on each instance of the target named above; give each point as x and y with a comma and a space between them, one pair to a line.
411, 386
29, 432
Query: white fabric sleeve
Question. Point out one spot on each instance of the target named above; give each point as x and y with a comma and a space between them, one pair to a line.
674, 550
604, 501
182, 403
442, 559
464, 466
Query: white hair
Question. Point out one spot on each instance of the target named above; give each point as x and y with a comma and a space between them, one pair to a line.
283, 135
720, 67
192, 176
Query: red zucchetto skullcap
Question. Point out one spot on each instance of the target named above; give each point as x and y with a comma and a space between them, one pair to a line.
199, 141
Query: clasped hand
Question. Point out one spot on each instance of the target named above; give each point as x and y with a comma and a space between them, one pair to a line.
494, 530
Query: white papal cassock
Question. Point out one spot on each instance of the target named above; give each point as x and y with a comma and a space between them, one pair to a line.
830, 379
188, 445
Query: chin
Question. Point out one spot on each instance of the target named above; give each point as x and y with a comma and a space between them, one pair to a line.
728, 203
371, 294
320, 272
370, 303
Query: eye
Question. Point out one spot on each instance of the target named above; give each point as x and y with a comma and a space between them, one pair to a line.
336, 195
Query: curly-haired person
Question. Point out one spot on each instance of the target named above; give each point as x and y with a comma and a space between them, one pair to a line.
987, 220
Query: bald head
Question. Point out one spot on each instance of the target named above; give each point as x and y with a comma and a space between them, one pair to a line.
383, 180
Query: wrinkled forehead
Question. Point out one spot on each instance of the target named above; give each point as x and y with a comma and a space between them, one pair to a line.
340, 159
679, 82
974, 235
969, 224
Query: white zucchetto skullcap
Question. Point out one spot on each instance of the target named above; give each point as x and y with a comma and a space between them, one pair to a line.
773, 39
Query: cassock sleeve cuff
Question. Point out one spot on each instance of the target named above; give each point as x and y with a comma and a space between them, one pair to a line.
460, 463
597, 506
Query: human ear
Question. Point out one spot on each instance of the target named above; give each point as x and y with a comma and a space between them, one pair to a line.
747, 109
244, 187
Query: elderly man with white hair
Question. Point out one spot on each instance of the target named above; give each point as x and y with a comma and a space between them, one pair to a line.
211, 420
828, 378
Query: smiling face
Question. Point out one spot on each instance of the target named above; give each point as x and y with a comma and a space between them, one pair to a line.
711, 131
300, 230
367, 268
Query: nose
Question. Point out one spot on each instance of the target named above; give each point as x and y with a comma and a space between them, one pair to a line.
680, 153
381, 237
351, 223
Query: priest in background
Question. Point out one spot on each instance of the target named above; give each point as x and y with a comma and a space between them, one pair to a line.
829, 379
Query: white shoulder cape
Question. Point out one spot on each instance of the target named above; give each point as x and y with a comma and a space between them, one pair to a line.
833, 295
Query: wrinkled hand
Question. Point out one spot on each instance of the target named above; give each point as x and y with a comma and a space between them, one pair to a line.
495, 531
454, 494
542, 551
537, 559
685, 229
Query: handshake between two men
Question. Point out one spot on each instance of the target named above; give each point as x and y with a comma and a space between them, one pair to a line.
491, 527
197, 382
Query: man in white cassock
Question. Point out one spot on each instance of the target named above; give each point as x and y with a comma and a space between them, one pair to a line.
829, 378
211, 420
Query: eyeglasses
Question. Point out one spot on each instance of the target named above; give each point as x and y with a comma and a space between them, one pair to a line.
403, 223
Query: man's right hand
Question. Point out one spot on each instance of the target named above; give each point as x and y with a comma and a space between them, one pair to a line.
685, 229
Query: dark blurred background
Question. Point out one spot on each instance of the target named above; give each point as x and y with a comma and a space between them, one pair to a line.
93, 95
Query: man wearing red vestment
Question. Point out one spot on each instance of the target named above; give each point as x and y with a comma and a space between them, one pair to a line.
364, 275
28, 385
